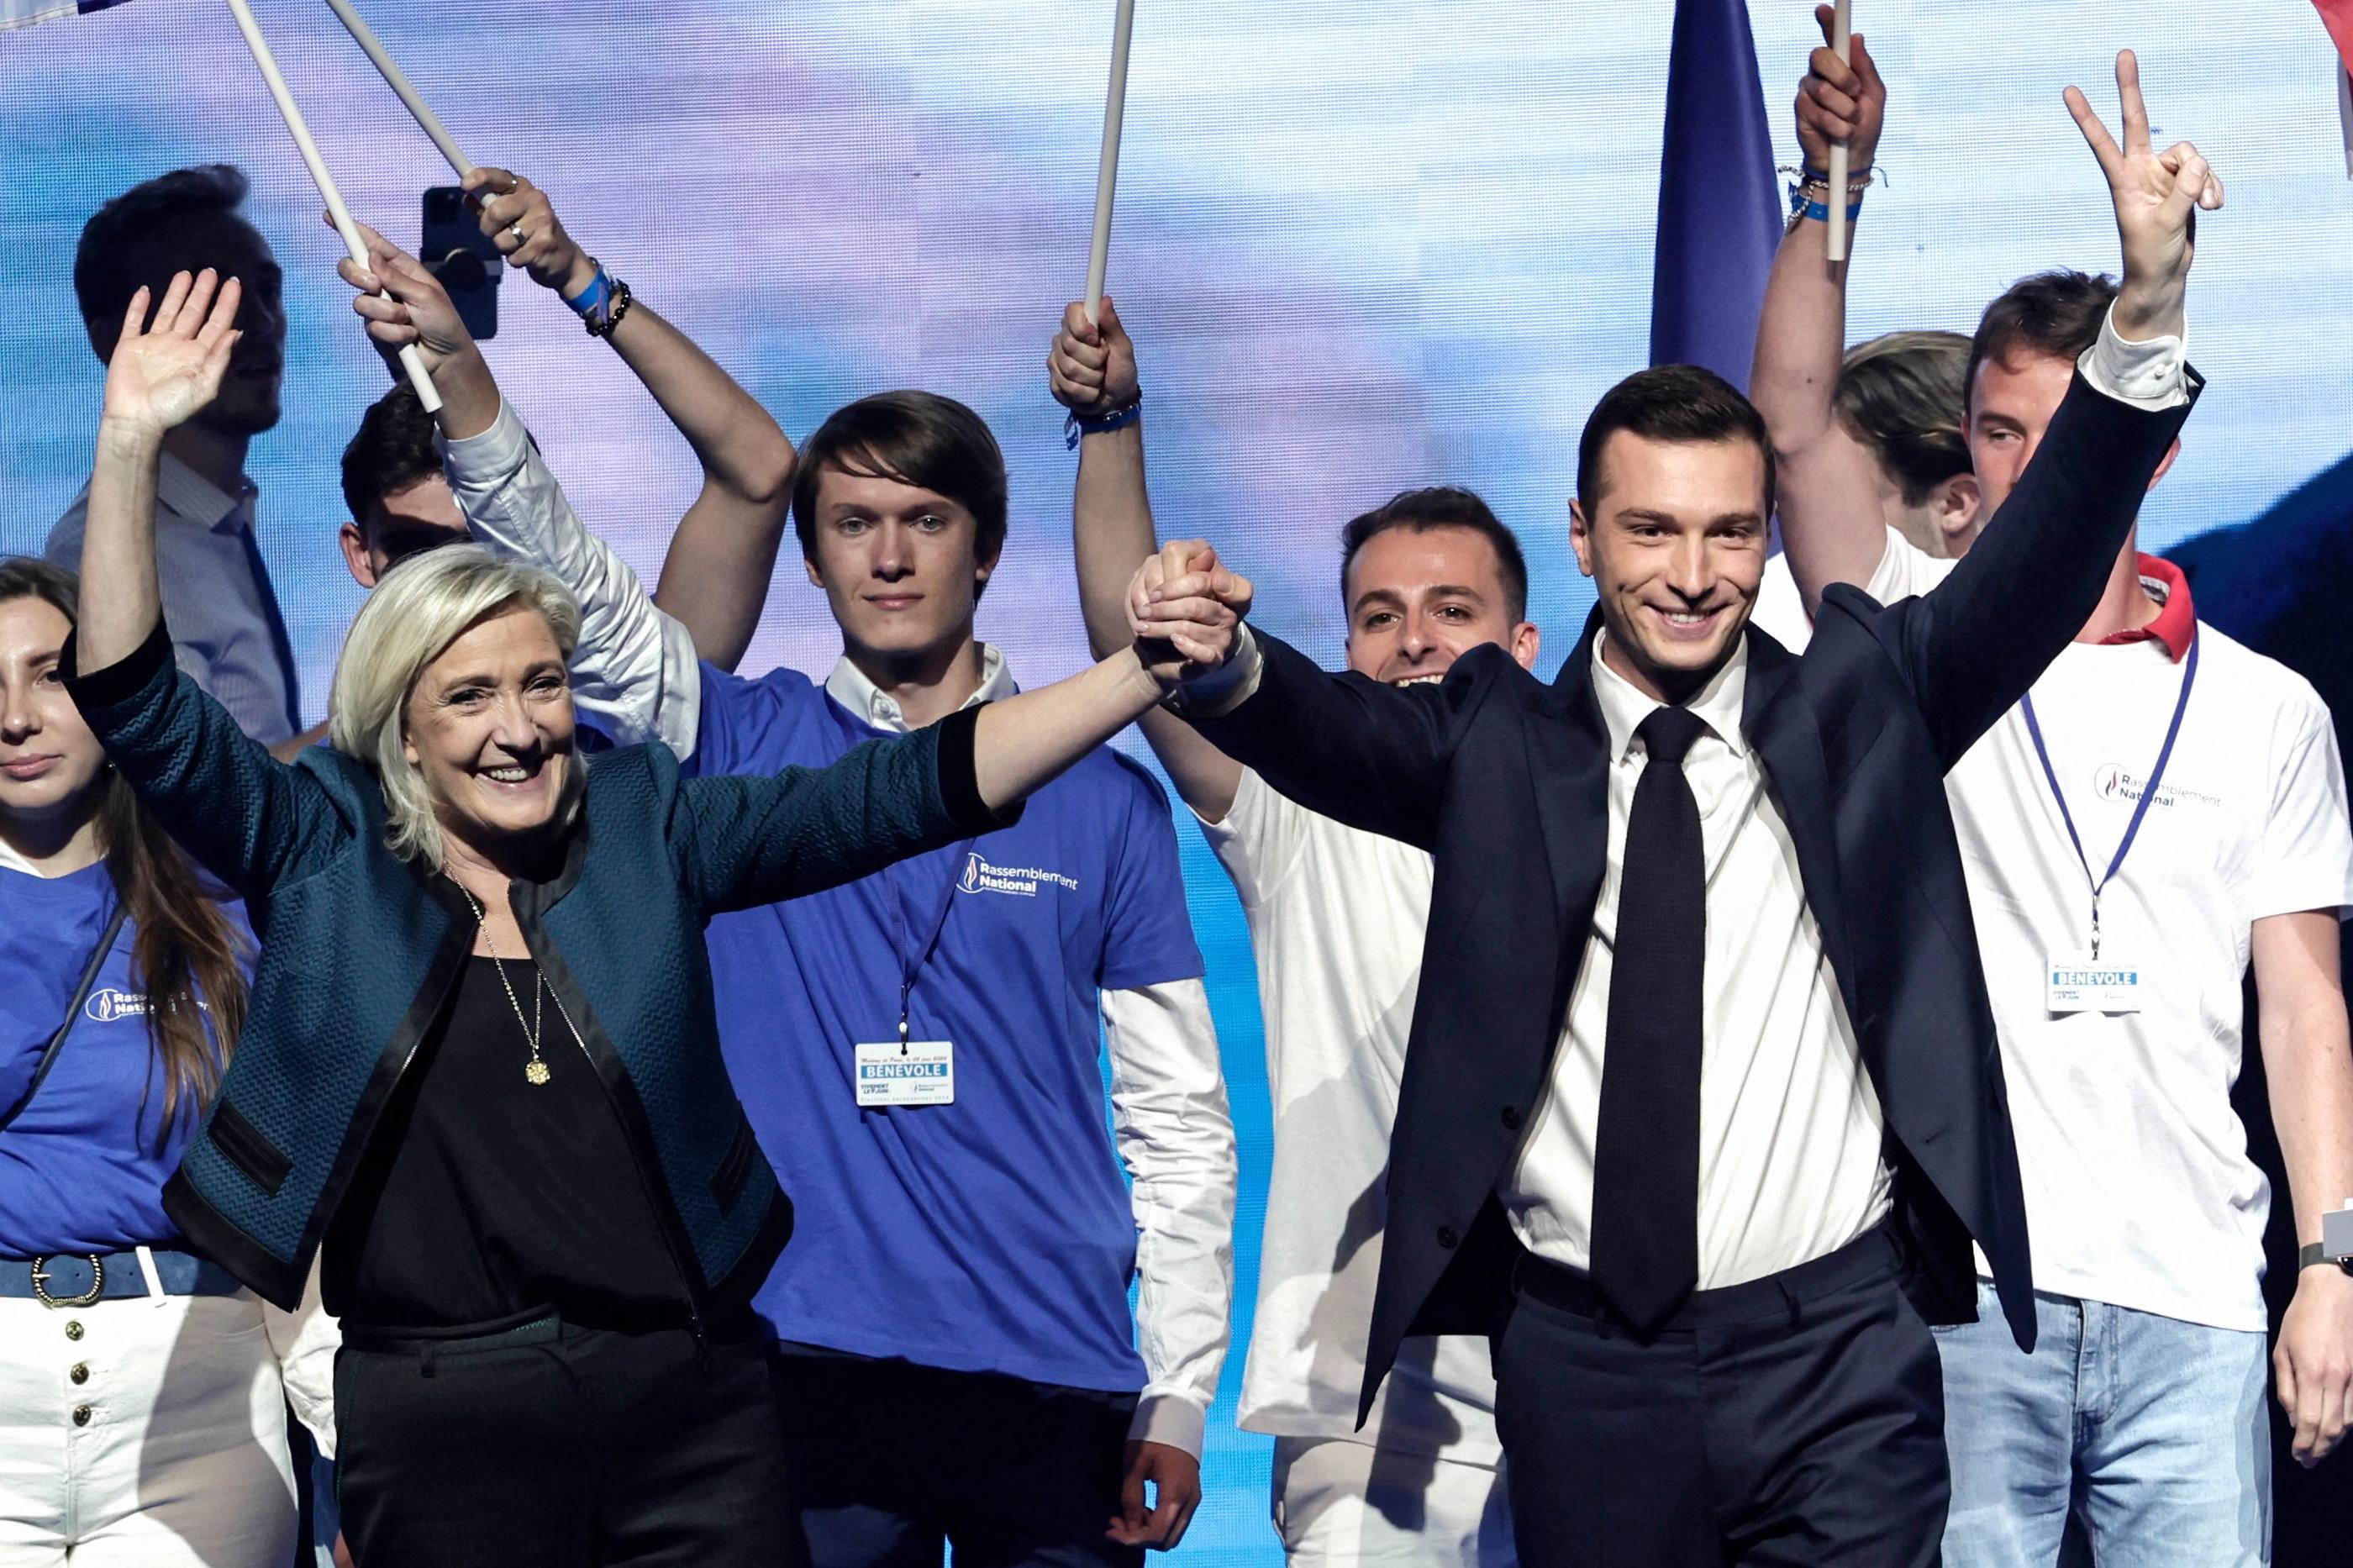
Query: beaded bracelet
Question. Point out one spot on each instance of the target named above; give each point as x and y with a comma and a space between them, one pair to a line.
602, 304
1856, 179
619, 308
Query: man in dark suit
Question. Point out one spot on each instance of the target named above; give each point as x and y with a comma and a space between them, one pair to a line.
1704, 1254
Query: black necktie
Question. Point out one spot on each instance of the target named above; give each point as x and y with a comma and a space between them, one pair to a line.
281, 647
1646, 1143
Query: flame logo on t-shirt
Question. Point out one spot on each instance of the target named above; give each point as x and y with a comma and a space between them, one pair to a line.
1021, 881
108, 1006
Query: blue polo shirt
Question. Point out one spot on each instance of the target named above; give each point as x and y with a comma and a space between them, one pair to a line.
83, 1168
993, 1234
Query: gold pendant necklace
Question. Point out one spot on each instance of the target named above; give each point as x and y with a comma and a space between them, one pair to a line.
535, 1072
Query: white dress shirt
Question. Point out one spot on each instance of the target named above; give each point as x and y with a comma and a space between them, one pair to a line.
847, 685
1791, 1166
635, 673
217, 613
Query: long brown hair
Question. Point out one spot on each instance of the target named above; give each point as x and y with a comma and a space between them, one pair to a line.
186, 956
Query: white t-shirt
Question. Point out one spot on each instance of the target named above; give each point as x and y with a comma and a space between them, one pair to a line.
2138, 1189
1336, 920
1780, 610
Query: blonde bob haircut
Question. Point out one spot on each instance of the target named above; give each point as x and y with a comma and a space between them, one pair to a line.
423, 605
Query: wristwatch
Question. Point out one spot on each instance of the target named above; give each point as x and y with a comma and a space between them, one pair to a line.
2315, 1254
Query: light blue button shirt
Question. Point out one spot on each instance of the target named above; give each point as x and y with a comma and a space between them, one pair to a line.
218, 613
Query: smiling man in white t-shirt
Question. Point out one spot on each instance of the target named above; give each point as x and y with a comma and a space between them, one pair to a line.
2164, 808
1336, 920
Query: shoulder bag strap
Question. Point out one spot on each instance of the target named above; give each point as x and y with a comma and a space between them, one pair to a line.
73, 1010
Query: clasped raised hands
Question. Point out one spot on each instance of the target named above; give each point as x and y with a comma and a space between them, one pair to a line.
1185, 610
164, 371
2157, 195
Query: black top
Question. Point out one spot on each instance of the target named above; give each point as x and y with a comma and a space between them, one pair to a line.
484, 1195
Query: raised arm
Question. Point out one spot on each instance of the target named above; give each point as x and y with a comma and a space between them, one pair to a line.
1372, 756
635, 669
1973, 648
244, 817
1826, 484
755, 840
715, 578
1092, 370
162, 374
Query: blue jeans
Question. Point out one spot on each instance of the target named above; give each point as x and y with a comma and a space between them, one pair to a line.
2153, 1429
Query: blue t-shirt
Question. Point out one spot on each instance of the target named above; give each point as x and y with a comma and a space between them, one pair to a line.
993, 1234
82, 1167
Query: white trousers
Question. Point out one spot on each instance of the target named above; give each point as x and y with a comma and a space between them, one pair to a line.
1339, 1503
143, 1433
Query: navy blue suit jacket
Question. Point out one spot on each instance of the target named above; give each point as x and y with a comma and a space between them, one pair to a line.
1502, 777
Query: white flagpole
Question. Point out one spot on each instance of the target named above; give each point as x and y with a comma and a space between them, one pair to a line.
1842, 44
1107, 172
426, 120
411, 360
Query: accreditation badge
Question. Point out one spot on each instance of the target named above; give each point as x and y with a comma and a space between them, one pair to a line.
2079, 983
915, 1072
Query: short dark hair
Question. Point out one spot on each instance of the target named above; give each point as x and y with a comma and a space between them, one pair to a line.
1677, 402
392, 450
917, 438
1905, 396
2055, 315
1442, 506
106, 271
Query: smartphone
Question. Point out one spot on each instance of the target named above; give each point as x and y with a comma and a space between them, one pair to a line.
458, 252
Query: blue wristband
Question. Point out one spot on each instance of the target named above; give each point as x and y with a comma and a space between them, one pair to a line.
593, 301
1118, 418
1821, 213
1801, 207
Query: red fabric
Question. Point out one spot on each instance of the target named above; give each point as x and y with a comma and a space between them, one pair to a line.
2338, 14
2178, 620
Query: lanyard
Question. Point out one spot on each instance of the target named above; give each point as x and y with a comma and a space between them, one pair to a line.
2140, 807
912, 959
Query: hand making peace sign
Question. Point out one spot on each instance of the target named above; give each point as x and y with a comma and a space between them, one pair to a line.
2157, 195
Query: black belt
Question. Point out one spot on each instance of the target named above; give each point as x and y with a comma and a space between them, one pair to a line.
84, 1279
1872, 1254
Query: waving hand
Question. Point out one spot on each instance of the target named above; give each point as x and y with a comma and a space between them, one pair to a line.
162, 374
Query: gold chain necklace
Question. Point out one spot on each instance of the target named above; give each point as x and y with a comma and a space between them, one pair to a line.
535, 1072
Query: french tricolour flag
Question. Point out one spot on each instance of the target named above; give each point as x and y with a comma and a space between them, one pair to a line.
1719, 222
25, 13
